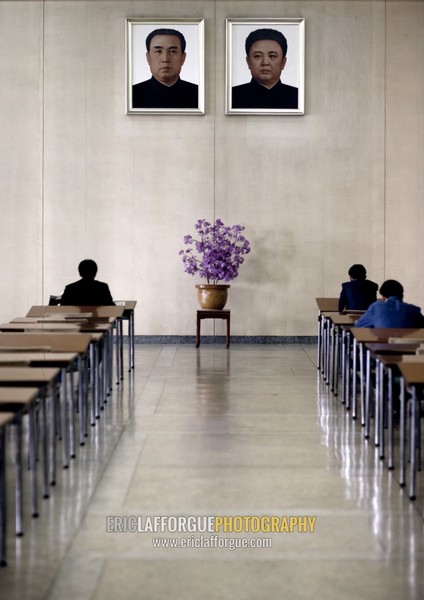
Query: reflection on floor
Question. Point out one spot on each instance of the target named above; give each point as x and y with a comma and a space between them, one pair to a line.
248, 433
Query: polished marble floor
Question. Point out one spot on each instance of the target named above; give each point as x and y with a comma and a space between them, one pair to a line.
246, 432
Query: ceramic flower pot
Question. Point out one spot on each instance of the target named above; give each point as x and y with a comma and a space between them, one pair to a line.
212, 296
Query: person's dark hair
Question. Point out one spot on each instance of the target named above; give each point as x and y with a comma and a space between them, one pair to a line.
266, 34
87, 268
391, 287
357, 272
166, 32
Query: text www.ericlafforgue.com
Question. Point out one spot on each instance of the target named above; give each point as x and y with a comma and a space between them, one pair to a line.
213, 541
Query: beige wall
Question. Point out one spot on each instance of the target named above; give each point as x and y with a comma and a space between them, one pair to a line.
80, 178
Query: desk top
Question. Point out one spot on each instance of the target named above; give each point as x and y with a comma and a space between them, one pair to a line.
328, 304
21, 395
28, 375
6, 417
388, 360
378, 334
401, 359
93, 311
382, 348
31, 326
413, 372
341, 318
46, 342
37, 358
127, 304
71, 318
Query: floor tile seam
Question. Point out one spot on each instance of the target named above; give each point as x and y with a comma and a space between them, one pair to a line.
204, 431
234, 415
135, 468
252, 555
157, 396
294, 510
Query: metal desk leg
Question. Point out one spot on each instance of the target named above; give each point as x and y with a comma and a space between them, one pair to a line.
131, 340
44, 443
71, 405
367, 412
337, 363
327, 353
354, 376
390, 463
402, 424
325, 325
378, 408
412, 442
121, 348
106, 367
343, 367
118, 352
53, 417
97, 378
64, 415
319, 342
93, 383
19, 479
333, 355
3, 522
33, 461
348, 369
82, 402
380, 399
362, 379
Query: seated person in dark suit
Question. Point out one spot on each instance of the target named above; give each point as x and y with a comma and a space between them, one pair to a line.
87, 291
359, 292
166, 56
266, 57
393, 311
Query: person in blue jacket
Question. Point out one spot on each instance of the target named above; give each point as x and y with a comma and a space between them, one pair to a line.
392, 311
359, 292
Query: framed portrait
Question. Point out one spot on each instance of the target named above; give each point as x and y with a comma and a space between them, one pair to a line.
265, 66
165, 66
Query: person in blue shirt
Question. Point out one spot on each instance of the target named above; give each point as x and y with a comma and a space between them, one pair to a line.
359, 292
392, 311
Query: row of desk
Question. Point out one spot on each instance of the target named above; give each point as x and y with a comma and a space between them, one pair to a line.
57, 365
379, 374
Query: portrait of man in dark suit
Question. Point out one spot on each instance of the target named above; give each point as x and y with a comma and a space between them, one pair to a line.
266, 57
166, 53
272, 55
166, 67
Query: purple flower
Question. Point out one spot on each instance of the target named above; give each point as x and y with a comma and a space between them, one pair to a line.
218, 253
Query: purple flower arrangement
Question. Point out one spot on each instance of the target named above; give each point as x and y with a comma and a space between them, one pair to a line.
217, 253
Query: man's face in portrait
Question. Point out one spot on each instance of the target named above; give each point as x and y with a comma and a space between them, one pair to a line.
266, 61
165, 58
